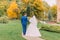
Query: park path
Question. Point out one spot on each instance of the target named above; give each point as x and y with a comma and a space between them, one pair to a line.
32, 38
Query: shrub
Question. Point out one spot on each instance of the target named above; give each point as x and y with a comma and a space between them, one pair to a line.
4, 19
13, 11
48, 27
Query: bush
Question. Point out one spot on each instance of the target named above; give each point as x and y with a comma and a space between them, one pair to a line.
4, 19
48, 27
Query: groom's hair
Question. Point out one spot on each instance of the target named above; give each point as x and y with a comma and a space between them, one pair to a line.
24, 13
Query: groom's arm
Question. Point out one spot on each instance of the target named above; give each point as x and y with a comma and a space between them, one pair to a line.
28, 21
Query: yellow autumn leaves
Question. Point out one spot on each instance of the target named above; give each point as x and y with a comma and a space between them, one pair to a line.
36, 6
11, 11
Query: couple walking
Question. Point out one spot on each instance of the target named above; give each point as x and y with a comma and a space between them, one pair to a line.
30, 30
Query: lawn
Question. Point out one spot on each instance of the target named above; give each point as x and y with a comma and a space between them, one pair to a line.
13, 29
50, 35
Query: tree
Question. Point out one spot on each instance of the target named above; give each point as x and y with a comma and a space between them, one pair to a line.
54, 11
50, 15
34, 7
46, 10
13, 10
3, 7
46, 5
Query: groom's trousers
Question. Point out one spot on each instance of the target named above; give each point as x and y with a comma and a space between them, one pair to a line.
24, 29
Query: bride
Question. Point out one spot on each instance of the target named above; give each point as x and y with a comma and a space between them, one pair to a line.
32, 29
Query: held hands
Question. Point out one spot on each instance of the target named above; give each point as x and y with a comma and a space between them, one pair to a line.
28, 20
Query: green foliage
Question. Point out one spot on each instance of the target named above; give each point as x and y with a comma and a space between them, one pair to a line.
34, 7
3, 7
54, 11
1, 13
28, 9
37, 7
50, 15
46, 5
48, 27
4, 19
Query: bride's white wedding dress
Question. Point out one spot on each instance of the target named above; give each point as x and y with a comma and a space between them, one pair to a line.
32, 29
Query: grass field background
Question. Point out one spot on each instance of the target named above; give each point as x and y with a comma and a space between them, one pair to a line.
13, 29
50, 35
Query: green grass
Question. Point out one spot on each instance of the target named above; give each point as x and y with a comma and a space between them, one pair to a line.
50, 35
11, 31
47, 35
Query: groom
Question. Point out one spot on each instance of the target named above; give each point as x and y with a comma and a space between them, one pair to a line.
24, 21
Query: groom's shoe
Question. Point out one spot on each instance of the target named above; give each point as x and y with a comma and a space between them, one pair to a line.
23, 33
